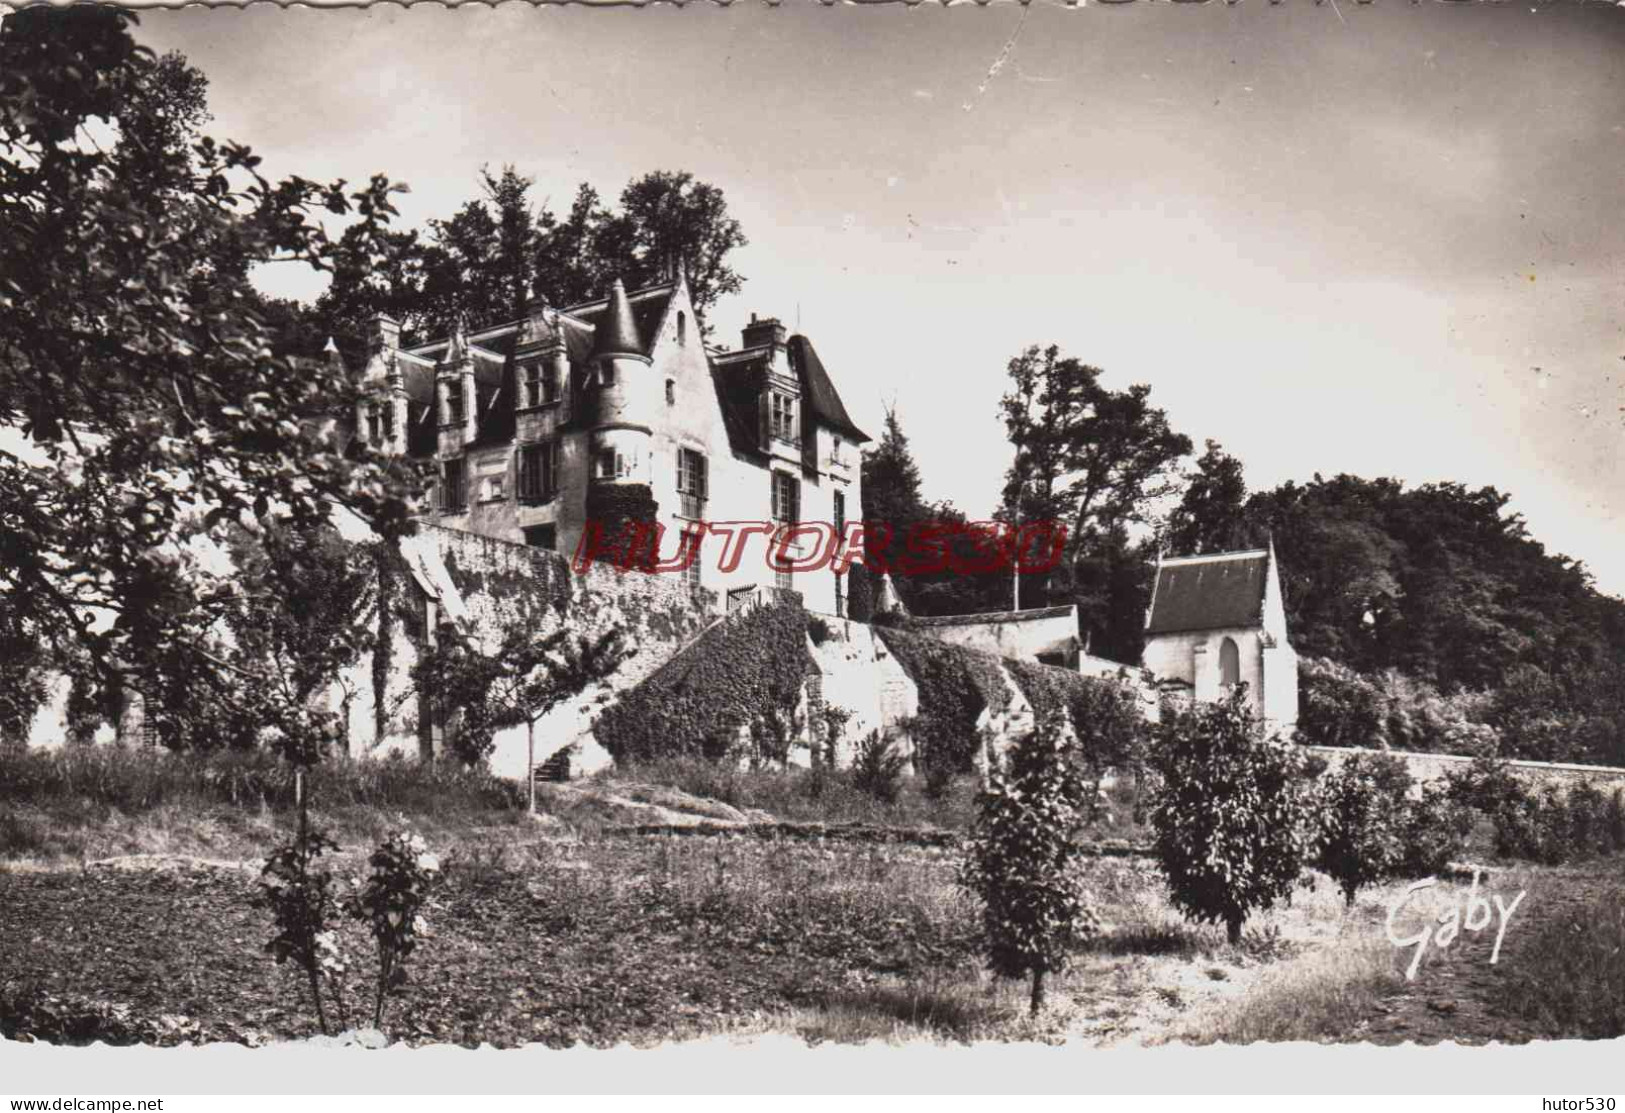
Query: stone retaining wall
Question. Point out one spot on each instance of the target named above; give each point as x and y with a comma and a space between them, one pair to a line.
1537, 774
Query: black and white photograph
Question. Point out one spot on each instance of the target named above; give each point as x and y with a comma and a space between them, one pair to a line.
1087, 526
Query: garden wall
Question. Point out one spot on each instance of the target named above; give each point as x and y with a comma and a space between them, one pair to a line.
1536, 774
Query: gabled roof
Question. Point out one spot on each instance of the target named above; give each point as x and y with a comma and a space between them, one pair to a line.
1209, 592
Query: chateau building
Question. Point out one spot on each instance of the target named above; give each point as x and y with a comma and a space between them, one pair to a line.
544, 427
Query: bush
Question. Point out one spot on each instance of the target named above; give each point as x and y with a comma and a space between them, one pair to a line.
1229, 815
1342, 707
1614, 819
1022, 861
877, 767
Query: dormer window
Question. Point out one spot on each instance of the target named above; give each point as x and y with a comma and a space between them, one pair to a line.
454, 403
782, 416
541, 386
375, 424
835, 455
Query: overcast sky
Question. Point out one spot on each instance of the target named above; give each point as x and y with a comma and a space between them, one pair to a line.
1382, 239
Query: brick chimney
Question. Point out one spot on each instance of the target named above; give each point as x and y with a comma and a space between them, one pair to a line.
767, 330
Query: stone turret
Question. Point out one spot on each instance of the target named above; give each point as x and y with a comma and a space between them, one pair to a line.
620, 397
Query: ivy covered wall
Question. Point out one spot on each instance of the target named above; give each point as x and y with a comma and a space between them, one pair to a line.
749, 667
484, 587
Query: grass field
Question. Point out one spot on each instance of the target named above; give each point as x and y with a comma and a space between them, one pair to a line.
124, 916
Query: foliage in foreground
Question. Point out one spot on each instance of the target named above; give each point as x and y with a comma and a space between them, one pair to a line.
1022, 860
155, 406
1229, 813
136, 780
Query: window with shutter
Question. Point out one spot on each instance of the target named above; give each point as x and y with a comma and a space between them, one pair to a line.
692, 538
453, 493
537, 471
691, 483
786, 498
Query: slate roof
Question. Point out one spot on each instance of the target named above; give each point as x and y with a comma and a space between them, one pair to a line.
735, 375
1209, 592
819, 391
617, 332
738, 379
736, 383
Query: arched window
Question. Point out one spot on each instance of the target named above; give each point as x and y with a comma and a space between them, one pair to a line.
1229, 663
682, 327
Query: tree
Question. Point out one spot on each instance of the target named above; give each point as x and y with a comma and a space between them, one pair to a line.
1211, 516
305, 613
1022, 861
667, 217
1091, 458
148, 405
892, 503
567, 267
521, 681
373, 275
1360, 818
1229, 815
1093, 455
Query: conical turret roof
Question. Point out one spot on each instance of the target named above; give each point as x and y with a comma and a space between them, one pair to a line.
617, 333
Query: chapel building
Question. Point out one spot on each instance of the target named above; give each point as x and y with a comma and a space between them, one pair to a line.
1218, 620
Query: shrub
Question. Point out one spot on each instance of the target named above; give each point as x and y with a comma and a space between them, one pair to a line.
390, 904
299, 895
1587, 821
1022, 861
1614, 819
877, 767
818, 630
1229, 814
1360, 821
